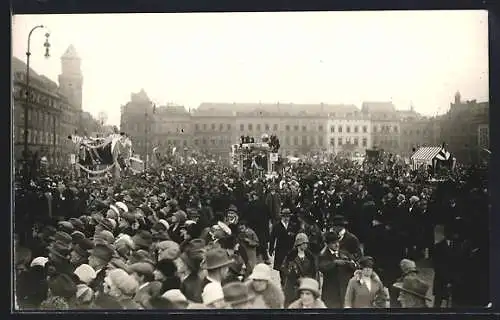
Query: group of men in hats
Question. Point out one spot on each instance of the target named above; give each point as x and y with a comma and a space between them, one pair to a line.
183, 238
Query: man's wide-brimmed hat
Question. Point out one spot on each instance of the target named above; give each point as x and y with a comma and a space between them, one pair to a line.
414, 286
60, 250
236, 293
216, 258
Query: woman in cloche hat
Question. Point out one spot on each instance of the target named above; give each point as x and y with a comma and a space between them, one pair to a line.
309, 296
365, 289
299, 263
266, 291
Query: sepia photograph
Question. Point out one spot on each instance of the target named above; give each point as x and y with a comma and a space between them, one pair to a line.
277, 160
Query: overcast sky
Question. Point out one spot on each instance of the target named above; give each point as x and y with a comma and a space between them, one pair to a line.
331, 57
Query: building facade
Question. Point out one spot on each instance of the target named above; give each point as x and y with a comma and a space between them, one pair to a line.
349, 134
172, 127
214, 129
302, 129
385, 124
416, 131
137, 121
51, 117
463, 129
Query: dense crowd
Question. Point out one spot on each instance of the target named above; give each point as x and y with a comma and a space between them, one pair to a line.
200, 236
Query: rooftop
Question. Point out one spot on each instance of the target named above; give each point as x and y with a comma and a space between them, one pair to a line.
290, 108
378, 107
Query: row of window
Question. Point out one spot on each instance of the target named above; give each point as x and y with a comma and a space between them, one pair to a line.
348, 129
348, 140
385, 129
417, 132
213, 127
250, 127
304, 141
37, 136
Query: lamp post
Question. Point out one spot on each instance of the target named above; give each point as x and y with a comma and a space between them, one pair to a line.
26, 107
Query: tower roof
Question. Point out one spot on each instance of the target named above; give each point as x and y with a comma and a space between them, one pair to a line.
70, 53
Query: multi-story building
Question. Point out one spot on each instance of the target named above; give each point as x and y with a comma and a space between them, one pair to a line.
463, 127
137, 121
385, 125
349, 134
214, 128
172, 127
416, 131
51, 115
300, 128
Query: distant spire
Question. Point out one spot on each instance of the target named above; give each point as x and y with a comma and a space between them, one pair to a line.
70, 53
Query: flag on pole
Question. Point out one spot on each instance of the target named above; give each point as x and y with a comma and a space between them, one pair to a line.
154, 108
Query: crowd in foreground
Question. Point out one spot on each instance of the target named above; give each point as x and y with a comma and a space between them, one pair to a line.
200, 236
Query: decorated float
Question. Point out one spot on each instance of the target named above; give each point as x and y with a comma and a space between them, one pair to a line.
101, 156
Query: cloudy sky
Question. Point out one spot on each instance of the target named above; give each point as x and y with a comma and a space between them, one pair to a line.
419, 58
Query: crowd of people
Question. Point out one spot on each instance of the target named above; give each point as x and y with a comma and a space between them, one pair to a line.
201, 236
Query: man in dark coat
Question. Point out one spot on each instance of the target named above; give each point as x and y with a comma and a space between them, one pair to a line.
258, 218
337, 267
273, 202
282, 239
443, 257
348, 241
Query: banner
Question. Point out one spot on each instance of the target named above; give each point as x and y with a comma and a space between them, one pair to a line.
72, 158
273, 157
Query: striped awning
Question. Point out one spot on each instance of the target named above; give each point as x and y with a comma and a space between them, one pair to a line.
426, 153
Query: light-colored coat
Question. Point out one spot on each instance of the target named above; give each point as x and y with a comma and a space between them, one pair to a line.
358, 296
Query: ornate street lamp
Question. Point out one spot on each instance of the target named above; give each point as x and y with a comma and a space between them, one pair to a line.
26, 106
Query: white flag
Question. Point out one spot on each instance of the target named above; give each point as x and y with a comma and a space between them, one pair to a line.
173, 150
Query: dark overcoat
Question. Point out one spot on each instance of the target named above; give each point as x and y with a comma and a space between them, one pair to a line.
337, 271
282, 241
